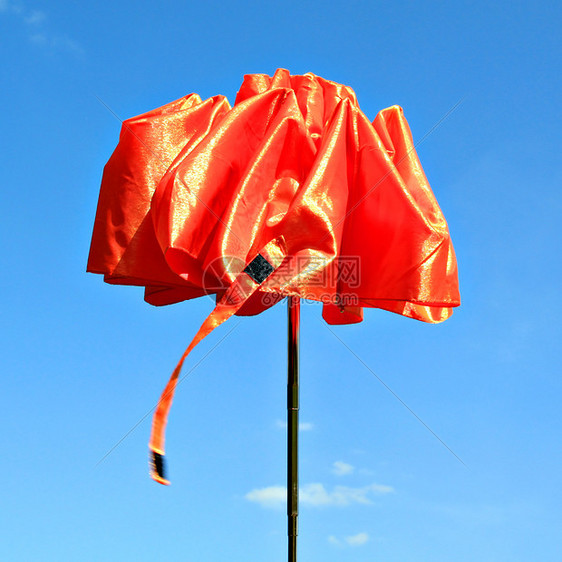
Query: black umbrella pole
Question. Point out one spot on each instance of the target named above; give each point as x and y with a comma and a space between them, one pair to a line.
293, 424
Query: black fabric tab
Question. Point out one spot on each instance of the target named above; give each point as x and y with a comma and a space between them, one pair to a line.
259, 269
158, 464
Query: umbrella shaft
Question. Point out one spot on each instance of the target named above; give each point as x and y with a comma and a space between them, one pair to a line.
293, 304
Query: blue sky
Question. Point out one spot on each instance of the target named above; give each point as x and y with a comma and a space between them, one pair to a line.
83, 362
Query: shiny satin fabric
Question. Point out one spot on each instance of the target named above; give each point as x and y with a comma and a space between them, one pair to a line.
196, 189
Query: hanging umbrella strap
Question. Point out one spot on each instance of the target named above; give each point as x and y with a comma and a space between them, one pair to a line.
243, 287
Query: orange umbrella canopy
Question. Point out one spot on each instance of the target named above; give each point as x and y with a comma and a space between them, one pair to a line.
292, 191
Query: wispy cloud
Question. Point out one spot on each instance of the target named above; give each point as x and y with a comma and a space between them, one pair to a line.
35, 17
357, 540
38, 32
316, 495
340, 468
303, 426
272, 496
354, 540
56, 43
334, 541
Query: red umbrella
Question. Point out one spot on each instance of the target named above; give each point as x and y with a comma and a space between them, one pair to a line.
291, 192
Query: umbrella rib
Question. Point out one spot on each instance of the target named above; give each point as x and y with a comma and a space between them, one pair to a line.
219, 219
396, 396
156, 405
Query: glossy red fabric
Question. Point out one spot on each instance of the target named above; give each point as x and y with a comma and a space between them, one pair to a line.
195, 190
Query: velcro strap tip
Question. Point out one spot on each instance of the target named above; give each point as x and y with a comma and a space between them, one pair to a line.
157, 468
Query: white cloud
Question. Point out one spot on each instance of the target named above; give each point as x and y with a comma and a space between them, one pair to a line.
14, 8
334, 541
340, 468
303, 426
357, 540
38, 34
316, 495
35, 17
6, 6
354, 540
273, 496
56, 43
